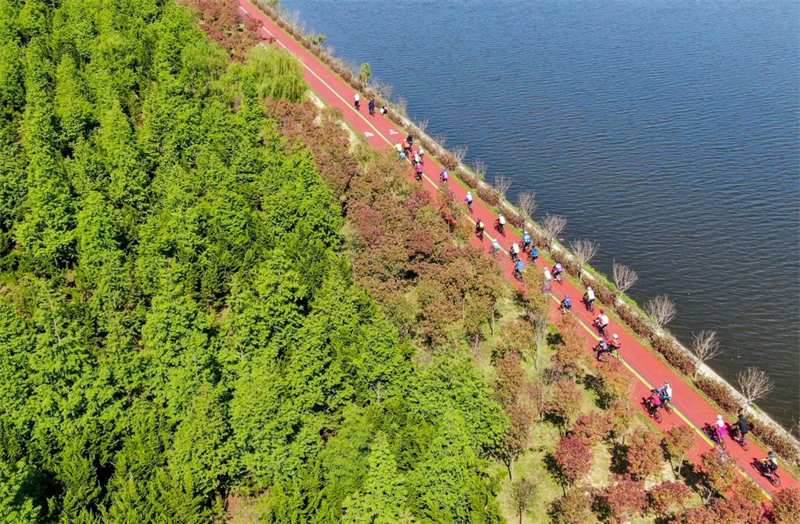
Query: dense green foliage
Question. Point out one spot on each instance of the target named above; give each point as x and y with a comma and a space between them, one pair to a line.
176, 318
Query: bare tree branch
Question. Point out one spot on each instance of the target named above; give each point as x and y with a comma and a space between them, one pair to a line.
755, 385
502, 183
459, 153
480, 168
624, 277
553, 226
584, 251
540, 325
661, 310
423, 125
705, 347
527, 204
402, 105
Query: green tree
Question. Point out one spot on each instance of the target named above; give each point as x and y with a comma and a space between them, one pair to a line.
382, 498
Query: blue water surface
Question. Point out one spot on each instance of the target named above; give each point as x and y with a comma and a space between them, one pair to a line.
666, 130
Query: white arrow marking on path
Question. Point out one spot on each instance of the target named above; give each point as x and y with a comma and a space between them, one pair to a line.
368, 134
393, 132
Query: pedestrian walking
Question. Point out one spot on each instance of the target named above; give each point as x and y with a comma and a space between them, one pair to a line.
357, 102
548, 285
372, 107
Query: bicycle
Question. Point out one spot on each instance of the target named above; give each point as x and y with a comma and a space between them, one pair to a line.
738, 437
765, 471
667, 404
652, 410
714, 435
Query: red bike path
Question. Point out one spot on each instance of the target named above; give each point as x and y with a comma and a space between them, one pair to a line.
380, 132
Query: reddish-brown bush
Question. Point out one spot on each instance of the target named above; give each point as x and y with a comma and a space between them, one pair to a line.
718, 392
786, 506
510, 377
615, 382
574, 458
667, 496
575, 507
564, 401
488, 195
644, 456
623, 500
673, 354
677, 442
719, 470
571, 355
633, 320
696, 515
620, 418
738, 510
592, 427
780, 444
220, 20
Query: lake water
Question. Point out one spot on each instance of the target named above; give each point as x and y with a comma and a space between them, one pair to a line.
666, 130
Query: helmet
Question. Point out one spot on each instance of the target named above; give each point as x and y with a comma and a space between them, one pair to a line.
589, 288
616, 336
719, 417
526, 232
771, 453
666, 381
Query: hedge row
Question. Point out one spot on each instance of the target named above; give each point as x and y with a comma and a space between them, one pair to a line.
667, 346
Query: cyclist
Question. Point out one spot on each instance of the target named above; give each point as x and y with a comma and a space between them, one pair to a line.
533, 254
495, 247
479, 228
399, 148
721, 427
665, 391
654, 400
614, 343
514, 251
770, 464
557, 270
421, 155
589, 297
526, 241
601, 322
416, 158
410, 140
501, 223
469, 200
372, 106
741, 427
357, 102
519, 268
406, 147
444, 176
419, 171
566, 303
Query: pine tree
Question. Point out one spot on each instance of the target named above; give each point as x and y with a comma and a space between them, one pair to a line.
382, 499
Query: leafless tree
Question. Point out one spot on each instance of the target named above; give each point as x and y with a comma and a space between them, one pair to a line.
460, 153
402, 105
553, 226
527, 204
480, 168
755, 385
422, 126
540, 326
705, 347
382, 88
502, 183
523, 493
661, 310
624, 277
584, 251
